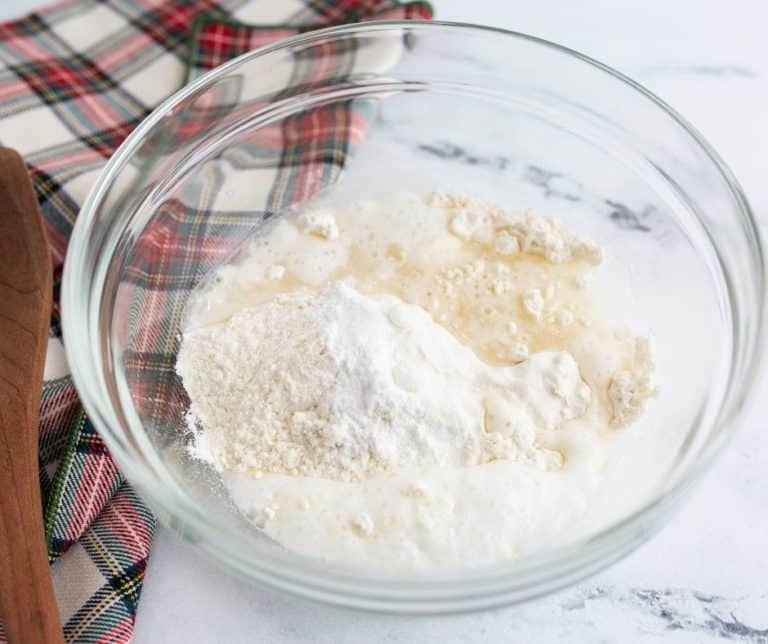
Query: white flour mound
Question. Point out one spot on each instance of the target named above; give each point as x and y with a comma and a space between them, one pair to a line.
340, 385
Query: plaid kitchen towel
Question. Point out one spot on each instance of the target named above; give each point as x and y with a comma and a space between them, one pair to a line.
75, 79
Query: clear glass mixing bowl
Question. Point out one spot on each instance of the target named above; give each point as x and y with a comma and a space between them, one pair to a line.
381, 107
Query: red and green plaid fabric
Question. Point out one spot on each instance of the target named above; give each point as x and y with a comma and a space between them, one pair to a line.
75, 79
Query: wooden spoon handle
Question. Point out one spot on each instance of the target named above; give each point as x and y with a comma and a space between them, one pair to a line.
27, 603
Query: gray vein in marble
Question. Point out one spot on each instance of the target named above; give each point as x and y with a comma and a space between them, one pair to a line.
559, 186
453, 55
553, 184
449, 151
714, 71
678, 609
629, 219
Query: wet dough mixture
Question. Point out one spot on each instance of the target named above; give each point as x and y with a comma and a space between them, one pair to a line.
411, 383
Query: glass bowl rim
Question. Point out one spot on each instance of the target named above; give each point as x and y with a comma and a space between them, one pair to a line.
507, 583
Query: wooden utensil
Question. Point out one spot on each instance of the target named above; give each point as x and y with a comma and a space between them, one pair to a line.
27, 604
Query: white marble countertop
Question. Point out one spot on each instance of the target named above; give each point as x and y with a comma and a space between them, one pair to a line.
703, 578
